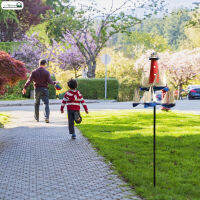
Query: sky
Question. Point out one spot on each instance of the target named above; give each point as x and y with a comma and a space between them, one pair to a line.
170, 4
181, 3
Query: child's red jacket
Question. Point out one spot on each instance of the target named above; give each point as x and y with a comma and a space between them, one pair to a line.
73, 98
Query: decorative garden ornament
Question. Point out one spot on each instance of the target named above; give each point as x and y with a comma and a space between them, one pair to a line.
155, 81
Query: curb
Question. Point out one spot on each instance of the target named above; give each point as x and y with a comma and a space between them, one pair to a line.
51, 102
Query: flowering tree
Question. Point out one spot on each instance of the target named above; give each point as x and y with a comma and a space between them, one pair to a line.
11, 71
71, 59
66, 55
90, 26
181, 67
30, 51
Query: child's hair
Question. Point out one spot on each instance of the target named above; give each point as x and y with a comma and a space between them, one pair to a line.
72, 83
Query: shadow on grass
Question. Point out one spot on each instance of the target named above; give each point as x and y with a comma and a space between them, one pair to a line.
178, 160
111, 128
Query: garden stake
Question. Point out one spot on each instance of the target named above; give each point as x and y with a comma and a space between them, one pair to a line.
154, 146
149, 100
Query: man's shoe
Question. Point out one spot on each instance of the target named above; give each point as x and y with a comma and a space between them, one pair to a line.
47, 120
37, 120
73, 136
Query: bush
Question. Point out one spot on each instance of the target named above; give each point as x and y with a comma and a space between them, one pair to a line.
95, 88
126, 90
12, 71
123, 69
52, 90
16, 91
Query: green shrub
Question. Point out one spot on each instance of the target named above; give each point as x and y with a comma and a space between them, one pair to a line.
95, 88
15, 92
126, 89
52, 90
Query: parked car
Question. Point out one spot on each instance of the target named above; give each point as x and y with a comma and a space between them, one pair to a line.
190, 87
194, 93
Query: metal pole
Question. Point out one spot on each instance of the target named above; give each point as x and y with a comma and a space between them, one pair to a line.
106, 76
154, 146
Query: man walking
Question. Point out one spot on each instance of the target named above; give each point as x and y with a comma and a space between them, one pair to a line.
41, 78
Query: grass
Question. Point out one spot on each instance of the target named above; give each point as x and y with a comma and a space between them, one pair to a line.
3, 120
125, 138
12, 98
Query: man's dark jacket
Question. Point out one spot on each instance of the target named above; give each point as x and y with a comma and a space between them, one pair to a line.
40, 77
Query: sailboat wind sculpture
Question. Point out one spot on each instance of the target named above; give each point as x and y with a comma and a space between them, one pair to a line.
156, 81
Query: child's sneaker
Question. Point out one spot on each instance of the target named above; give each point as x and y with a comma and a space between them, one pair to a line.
73, 136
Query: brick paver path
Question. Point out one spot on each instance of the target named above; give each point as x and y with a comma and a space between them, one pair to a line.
40, 161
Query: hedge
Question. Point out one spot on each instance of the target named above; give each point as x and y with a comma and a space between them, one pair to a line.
95, 88
16, 90
52, 90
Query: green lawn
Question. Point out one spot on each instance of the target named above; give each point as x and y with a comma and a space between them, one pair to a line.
125, 138
3, 119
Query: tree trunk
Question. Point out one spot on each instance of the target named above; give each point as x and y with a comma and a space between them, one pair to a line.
84, 72
91, 69
180, 87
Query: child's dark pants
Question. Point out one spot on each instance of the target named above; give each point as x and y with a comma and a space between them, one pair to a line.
71, 118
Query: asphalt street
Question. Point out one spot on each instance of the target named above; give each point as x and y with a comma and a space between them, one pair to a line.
191, 106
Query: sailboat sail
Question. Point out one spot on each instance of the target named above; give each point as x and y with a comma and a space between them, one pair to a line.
168, 98
148, 96
163, 79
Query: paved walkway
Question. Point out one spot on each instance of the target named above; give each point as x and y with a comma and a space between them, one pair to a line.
39, 161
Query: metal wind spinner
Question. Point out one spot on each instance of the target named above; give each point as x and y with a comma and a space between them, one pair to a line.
154, 83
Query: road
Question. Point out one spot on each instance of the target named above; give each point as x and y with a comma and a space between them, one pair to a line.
191, 106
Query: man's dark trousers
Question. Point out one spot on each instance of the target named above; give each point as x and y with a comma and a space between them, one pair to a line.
42, 93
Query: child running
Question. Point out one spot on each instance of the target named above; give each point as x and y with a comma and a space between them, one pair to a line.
73, 98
